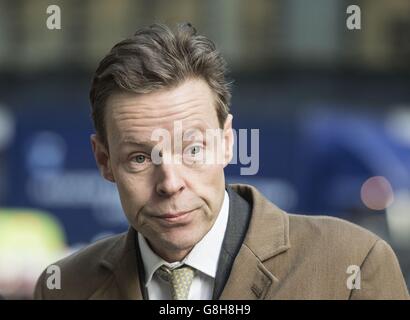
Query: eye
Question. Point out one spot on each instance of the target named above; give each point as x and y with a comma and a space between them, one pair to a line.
139, 158
193, 154
138, 162
195, 150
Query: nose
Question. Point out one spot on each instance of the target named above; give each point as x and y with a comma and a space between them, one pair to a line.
170, 181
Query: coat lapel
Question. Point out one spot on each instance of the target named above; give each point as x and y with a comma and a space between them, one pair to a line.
121, 260
267, 236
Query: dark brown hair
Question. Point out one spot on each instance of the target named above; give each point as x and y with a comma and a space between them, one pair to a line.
154, 58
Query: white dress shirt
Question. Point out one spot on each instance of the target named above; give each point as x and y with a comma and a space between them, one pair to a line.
203, 257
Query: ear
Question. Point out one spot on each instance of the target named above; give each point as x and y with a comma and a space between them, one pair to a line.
228, 140
102, 158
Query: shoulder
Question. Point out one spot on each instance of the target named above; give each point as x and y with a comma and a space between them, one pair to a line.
326, 226
90, 256
331, 236
82, 269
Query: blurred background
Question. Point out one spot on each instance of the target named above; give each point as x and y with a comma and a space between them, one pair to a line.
332, 106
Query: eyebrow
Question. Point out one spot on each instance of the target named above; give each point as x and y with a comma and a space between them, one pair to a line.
195, 129
149, 143
133, 141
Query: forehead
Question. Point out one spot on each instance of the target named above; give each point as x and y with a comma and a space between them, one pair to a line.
192, 103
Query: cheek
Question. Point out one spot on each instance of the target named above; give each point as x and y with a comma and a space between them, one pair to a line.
209, 174
134, 193
208, 182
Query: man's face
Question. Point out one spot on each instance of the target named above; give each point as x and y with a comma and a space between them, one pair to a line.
173, 203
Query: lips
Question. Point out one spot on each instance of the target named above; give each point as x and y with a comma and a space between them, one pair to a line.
175, 217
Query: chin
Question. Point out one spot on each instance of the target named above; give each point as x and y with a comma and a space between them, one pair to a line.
183, 239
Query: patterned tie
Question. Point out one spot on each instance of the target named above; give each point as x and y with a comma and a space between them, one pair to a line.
179, 278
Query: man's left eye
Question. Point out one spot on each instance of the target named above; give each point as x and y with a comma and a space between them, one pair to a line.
195, 150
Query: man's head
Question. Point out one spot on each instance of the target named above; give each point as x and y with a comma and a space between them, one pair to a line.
159, 79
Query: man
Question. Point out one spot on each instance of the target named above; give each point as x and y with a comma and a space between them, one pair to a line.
191, 236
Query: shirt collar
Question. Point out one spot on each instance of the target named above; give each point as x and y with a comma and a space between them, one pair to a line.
204, 255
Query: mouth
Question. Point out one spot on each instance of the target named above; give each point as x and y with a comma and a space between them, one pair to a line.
180, 217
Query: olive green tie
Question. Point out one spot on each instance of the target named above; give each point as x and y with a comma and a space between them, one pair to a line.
180, 279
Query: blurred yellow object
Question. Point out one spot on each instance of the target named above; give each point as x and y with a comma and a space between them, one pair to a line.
29, 241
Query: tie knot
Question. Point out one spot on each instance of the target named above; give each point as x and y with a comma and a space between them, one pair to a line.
180, 279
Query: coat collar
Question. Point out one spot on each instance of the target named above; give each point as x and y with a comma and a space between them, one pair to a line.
268, 233
267, 236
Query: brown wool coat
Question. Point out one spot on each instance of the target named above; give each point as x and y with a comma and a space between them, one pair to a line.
283, 256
